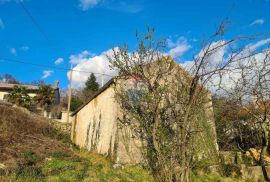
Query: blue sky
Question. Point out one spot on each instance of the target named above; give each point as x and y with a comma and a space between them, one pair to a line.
81, 31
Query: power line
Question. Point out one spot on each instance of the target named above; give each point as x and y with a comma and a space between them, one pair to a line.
37, 25
51, 67
27, 12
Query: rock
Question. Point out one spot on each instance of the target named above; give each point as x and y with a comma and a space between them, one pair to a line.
115, 166
228, 157
2, 166
214, 169
48, 159
252, 172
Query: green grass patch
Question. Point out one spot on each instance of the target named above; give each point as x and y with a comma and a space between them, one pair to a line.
213, 177
81, 166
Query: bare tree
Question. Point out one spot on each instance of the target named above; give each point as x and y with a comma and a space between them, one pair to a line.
251, 90
165, 105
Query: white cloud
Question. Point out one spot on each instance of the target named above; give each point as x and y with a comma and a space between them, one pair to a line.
214, 58
81, 57
87, 4
13, 51
24, 48
253, 47
178, 48
230, 79
59, 61
126, 7
87, 63
220, 56
46, 74
257, 22
2, 25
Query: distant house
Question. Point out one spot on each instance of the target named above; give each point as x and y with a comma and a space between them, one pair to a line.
6, 88
95, 127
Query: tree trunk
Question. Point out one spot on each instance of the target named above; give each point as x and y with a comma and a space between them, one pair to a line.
264, 153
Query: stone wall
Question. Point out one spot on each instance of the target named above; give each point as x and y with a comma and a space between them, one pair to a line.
94, 126
62, 127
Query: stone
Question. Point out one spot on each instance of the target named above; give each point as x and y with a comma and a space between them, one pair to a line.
117, 166
2, 166
214, 169
252, 172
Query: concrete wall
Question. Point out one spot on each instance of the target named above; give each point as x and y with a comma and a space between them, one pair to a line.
128, 147
2, 94
64, 116
94, 126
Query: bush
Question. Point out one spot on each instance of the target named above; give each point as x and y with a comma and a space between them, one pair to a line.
231, 170
247, 160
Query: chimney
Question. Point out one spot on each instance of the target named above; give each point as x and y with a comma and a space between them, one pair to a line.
56, 84
56, 93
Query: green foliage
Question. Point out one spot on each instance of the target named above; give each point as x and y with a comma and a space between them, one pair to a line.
45, 96
233, 126
19, 96
28, 167
201, 165
58, 155
213, 177
30, 157
91, 86
247, 160
231, 170
81, 166
76, 102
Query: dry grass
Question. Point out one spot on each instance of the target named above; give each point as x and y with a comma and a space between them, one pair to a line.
21, 132
32, 150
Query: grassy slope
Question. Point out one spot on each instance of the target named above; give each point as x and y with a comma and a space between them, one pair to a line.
81, 166
32, 150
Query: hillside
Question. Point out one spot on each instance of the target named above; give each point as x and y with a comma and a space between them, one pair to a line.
33, 150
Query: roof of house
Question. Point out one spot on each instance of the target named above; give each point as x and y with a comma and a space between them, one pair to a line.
94, 96
9, 86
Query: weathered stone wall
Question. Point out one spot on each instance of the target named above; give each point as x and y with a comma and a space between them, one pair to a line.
205, 140
94, 126
128, 147
62, 127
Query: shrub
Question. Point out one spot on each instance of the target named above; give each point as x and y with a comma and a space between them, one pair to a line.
231, 170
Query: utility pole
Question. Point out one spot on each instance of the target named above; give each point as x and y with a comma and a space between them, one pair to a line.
69, 92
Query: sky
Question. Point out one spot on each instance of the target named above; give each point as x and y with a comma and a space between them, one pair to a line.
81, 32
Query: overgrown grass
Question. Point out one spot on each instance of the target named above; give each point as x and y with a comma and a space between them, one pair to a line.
82, 166
40, 153
214, 177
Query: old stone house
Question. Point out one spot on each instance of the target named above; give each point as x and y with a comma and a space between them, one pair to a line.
95, 127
